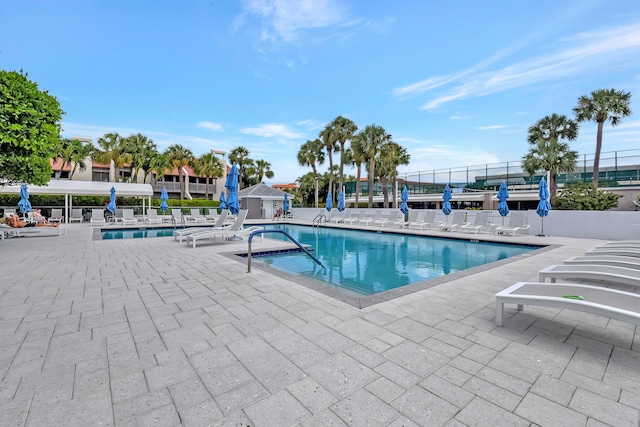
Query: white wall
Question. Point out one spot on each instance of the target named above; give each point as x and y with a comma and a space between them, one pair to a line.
605, 225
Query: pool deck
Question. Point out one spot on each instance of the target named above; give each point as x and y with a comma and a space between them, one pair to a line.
148, 332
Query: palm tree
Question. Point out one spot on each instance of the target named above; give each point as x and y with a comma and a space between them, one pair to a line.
240, 156
74, 152
311, 153
180, 157
372, 139
262, 169
142, 150
329, 142
342, 130
113, 151
358, 157
391, 156
603, 105
160, 163
548, 152
209, 166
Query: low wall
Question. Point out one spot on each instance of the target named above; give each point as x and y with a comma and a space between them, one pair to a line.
605, 225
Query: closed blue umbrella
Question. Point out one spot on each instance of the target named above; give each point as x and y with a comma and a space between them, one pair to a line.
285, 204
111, 207
24, 205
329, 204
446, 196
543, 206
232, 191
404, 207
164, 196
341, 201
223, 203
503, 195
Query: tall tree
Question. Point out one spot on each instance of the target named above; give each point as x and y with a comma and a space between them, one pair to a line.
330, 143
391, 156
142, 150
240, 156
114, 151
373, 138
75, 153
311, 154
603, 105
358, 158
29, 129
548, 151
209, 166
180, 157
160, 163
342, 130
262, 169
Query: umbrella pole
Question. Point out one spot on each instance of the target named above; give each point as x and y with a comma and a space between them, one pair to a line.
542, 229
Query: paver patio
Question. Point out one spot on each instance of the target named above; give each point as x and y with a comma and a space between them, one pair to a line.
152, 332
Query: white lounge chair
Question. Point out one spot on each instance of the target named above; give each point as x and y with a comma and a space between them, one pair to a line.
516, 224
414, 215
611, 303
220, 222
128, 218
152, 217
370, 219
210, 215
176, 216
606, 273
56, 215
599, 251
345, 214
212, 233
457, 221
428, 221
390, 219
76, 215
354, 217
195, 216
97, 218
481, 221
616, 261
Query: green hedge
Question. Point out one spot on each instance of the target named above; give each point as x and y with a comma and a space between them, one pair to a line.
47, 200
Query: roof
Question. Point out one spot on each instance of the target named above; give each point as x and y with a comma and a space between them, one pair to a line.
262, 191
83, 188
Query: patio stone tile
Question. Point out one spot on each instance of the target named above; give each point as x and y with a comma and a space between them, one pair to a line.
595, 386
223, 379
424, 408
441, 347
341, 375
416, 358
165, 416
364, 409
505, 381
480, 412
547, 413
366, 356
359, 330
404, 422
385, 389
590, 364
377, 346
322, 419
278, 409
604, 410
480, 354
453, 375
312, 395
404, 378
201, 414
241, 397
188, 393
411, 329
553, 389
447, 391
492, 393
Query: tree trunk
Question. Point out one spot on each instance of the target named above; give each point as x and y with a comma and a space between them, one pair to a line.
372, 168
596, 157
341, 164
358, 185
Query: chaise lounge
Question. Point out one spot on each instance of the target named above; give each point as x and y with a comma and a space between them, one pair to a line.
606, 273
605, 302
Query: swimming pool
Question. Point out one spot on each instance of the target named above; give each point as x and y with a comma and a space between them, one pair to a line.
135, 233
368, 263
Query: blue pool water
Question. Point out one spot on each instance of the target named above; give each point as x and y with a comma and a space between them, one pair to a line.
136, 233
368, 263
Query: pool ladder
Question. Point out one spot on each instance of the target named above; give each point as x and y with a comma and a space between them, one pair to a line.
319, 219
270, 230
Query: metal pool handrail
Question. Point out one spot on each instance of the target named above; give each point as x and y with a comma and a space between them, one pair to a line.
271, 230
320, 217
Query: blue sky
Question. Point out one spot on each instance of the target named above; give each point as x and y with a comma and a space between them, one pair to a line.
456, 83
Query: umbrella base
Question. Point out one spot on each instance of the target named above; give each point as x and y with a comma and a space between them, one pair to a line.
234, 238
541, 235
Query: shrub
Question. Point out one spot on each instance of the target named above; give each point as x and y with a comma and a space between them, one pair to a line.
584, 197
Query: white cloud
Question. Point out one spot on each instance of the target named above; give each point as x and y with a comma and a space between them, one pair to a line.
491, 127
580, 54
286, 19
272, 130
210, 125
